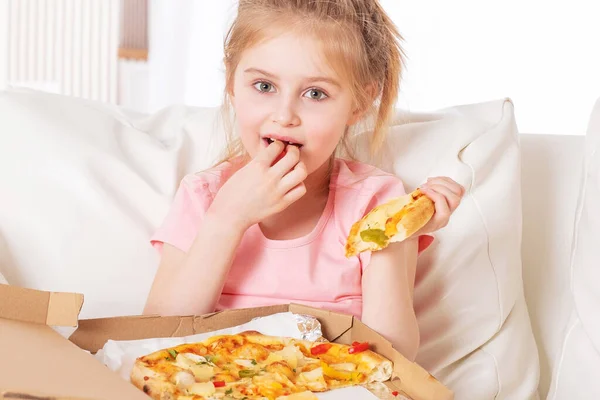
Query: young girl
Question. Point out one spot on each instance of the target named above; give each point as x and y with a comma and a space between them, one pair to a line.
268, 225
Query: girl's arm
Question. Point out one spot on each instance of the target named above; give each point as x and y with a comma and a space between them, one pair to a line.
191, 283
387, 287
389, 279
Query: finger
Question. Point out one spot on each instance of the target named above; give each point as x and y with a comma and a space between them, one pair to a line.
449, 183
294, 194
452, 199
294, 177
288, 162
268, 155
442, 209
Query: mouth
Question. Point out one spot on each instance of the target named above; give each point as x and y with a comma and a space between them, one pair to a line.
269, 140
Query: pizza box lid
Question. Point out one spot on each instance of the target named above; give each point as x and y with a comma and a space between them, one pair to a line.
36, 362
25, 316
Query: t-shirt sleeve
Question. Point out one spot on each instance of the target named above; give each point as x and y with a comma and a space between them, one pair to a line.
375, 191
180, 226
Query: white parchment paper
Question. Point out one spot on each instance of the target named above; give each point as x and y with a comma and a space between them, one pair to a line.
119, 356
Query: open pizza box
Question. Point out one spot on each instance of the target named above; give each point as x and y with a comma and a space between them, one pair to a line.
37, 362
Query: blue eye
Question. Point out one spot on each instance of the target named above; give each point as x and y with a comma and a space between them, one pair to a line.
315, 94
264, 87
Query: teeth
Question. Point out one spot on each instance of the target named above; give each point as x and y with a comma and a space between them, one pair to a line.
269, 140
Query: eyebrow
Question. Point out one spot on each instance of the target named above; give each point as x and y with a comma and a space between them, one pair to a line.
309, 79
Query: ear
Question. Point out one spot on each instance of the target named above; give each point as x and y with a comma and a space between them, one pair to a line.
358, 113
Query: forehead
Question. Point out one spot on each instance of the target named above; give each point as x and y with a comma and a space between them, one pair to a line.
288, 56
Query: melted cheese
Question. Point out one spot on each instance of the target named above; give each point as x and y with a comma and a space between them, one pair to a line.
312, 380
273, 357
292, 355
186, 360
339, 374
203, 372
183, 379
377, 218
202, 389
267, 386
246, 363
344, 367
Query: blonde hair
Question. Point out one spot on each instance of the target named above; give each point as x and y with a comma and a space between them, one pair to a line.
357, 36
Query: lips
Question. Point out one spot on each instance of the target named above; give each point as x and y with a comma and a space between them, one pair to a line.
286, 141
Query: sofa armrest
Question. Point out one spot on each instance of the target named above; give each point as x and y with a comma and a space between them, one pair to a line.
551, 176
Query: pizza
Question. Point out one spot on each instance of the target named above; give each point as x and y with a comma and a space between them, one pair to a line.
393, 221
250, 365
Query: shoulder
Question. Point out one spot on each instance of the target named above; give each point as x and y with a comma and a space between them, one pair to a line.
207, 182
366, 180
191, 201
359, 188
197, 190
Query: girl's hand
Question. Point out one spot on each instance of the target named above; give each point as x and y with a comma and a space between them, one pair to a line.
263, 187
447, 195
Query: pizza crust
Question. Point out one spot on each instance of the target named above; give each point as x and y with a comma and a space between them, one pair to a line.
393, 221
150, 382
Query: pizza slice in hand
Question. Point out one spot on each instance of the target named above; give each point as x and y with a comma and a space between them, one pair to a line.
394, 221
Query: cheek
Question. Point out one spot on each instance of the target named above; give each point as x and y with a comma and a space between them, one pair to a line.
249, 116
323, 138
325, 133
245, 108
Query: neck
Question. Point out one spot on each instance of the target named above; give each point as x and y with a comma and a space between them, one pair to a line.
318, 182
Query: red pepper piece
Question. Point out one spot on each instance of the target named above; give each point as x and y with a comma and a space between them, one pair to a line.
320, 349
219, 384
395, 393
358, 347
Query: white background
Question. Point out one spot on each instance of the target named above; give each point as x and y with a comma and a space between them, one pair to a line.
543, 54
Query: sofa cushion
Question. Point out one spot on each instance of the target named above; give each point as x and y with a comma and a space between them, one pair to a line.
86, 185
475, 330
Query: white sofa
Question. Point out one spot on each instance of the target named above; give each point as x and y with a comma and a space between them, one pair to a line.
58, 162
551, 171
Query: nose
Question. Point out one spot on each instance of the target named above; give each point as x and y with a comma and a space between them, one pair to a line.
285, 113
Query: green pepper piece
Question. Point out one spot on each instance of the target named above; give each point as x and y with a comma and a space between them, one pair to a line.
247, 373
173, 353
376, 236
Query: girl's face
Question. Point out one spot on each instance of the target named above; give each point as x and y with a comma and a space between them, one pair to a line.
284, 90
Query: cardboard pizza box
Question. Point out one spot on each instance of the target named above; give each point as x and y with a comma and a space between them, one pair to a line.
36, 362
40, 363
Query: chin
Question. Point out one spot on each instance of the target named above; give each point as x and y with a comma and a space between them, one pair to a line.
313, 166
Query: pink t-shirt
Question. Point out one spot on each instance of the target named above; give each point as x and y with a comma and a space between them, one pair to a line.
312, 269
